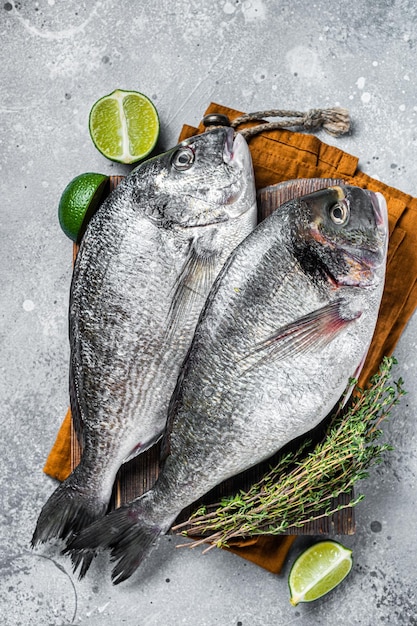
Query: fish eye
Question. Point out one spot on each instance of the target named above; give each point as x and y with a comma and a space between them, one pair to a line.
183, 158
339, 213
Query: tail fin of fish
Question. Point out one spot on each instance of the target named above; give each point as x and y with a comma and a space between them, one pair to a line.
69, 509
129, 538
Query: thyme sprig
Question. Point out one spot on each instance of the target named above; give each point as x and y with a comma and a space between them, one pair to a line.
304, 483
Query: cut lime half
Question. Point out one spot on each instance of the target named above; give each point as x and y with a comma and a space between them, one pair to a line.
124, 126
318, 570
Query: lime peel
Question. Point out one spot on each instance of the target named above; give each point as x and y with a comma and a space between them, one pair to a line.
316, 572
79, 201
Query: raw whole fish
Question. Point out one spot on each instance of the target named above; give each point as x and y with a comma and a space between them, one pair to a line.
287, 323
144, 269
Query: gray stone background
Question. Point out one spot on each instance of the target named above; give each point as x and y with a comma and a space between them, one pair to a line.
57, 58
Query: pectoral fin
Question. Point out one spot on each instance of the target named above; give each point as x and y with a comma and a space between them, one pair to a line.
308, 333
193, 283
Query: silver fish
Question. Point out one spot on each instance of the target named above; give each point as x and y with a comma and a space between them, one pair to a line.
144, 269
287, 324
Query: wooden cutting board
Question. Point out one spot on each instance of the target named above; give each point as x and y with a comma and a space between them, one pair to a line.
139, 474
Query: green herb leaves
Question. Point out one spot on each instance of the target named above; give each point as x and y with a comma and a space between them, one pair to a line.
302, 486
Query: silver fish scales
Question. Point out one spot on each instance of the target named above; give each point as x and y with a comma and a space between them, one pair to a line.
144, 269
286, 325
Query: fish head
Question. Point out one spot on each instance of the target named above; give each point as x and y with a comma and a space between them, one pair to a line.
343, 232
206, 179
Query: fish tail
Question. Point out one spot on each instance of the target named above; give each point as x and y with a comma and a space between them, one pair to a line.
69, 509
128, 536
81, 560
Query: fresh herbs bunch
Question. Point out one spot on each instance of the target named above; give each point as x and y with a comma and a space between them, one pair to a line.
302, 486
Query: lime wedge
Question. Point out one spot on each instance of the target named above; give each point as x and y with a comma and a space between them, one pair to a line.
124, 126
318, 570
79, 200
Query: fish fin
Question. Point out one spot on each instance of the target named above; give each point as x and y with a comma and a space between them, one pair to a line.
69, 509
195, 279
274, 196
140, 448
128, 537
81, 560
310, 332
75, 408
359, 369
348, 393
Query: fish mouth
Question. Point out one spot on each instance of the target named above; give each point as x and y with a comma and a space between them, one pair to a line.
236, 154
236, 151
379, 206
380, 210
229, 141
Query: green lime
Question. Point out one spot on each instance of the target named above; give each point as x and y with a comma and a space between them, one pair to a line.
318, 570
78, 202
124, 126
